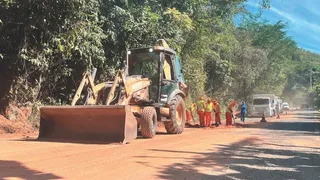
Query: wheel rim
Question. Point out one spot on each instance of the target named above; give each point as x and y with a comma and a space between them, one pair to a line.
179, 113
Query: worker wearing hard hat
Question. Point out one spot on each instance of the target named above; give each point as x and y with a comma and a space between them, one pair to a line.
200, 110
217, 111
229, 113
208, 112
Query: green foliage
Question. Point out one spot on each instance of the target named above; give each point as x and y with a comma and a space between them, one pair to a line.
298, 88
281, 54
46, 46
47, 43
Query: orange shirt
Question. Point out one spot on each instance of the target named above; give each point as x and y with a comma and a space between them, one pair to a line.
232, 104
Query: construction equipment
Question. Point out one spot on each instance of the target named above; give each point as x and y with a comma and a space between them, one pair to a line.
150, 88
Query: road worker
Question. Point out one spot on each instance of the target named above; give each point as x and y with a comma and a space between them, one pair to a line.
243, 111
190, 111
278, 111
200, 110
217, 111
208, 112
194, 106
229, 113
213, 112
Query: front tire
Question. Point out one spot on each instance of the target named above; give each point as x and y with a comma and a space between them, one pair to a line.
148, 122
178, 116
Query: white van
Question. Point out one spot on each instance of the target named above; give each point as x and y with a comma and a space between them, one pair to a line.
285, 106
264, 103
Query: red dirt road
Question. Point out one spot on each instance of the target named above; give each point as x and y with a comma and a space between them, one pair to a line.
282, 149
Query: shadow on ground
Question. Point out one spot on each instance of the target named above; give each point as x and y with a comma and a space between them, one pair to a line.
305, 121
246, 159
251, 158
294, 126
16, 170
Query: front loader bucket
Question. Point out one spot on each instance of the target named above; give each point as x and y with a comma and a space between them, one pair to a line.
95, 123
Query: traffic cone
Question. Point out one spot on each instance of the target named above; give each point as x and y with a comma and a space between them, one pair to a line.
263, 119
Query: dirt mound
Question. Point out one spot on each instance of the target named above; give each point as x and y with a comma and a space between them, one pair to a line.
15, 120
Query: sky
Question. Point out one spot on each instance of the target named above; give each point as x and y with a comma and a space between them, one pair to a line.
302, 16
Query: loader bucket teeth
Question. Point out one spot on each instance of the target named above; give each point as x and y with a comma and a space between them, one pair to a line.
114, 123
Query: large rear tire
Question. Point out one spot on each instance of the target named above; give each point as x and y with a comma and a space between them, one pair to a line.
178, 116
148, 122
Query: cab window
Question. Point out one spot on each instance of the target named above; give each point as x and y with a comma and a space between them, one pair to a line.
168, 72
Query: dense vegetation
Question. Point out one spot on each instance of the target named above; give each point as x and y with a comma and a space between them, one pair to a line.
46, 45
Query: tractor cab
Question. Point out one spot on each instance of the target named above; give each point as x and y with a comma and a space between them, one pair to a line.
161, 66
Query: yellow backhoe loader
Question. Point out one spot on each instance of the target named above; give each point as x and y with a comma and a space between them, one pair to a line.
150, 88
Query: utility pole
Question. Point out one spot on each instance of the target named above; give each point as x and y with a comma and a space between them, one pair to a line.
311, 73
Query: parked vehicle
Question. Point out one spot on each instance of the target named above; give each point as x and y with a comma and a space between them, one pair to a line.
264, 104
285, 106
